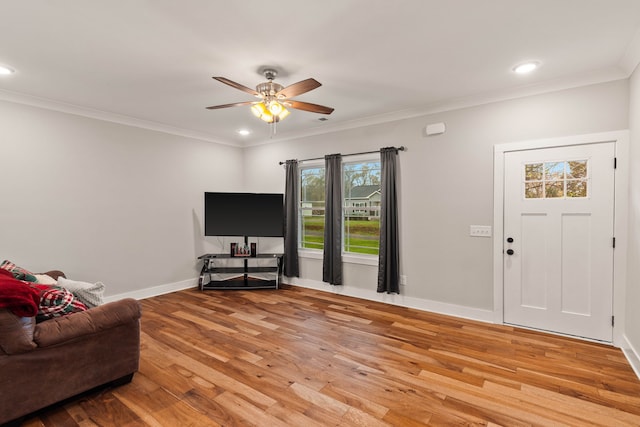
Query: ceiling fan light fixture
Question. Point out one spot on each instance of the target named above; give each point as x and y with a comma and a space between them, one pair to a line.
275, 108
258, 109
268, 117
269, 112
283, 114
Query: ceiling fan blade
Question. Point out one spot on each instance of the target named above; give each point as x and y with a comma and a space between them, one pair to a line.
298, 88
237, 104
236, 85
307, 106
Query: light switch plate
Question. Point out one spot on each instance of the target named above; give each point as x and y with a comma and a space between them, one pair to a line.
480, 230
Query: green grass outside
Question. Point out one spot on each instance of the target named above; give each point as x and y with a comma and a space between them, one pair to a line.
363, 237
359, 226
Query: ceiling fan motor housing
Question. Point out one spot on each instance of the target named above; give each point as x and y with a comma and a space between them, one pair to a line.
269, 89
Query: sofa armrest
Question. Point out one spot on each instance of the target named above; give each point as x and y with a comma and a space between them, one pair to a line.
76, 325
16, 333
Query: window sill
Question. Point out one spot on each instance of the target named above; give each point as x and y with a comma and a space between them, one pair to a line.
346, 258
305, 253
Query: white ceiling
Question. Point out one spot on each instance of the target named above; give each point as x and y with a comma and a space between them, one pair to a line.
150, 62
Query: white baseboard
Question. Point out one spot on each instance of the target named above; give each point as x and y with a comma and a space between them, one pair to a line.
154, 290
371, 295
632, 355
395, 299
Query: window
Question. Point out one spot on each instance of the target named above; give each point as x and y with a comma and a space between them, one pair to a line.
311, 209
360, 208
552, 180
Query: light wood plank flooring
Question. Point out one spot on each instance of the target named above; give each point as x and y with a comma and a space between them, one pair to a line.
299, 357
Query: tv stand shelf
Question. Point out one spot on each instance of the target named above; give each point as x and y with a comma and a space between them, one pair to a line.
215, 265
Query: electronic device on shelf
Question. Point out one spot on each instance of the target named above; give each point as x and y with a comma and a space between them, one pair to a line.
244, 214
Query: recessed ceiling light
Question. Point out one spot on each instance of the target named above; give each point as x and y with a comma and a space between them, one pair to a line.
526, 67
244, 132
5, 71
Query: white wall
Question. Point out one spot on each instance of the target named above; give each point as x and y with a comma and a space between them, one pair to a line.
632, 324
103, 201
123, 205
446, 183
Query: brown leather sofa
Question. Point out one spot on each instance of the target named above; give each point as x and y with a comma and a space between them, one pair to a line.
45, 363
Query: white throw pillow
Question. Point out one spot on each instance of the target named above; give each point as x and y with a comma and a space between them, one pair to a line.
91, 294
45, 279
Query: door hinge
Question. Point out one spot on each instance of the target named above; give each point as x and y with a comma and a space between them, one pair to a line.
615, 162
614, 243
613, 321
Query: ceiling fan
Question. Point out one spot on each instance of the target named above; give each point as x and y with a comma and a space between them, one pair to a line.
275, 99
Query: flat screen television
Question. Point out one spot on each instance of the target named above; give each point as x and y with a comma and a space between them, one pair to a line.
244, 214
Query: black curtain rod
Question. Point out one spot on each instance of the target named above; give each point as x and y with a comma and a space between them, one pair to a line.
401, 148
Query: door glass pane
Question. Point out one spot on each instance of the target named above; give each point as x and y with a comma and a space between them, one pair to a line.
577, 169
554, 189
554, 171
533, 190
533, 172
577, 188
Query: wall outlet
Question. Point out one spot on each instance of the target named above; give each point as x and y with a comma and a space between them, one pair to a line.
403, 280
480, 230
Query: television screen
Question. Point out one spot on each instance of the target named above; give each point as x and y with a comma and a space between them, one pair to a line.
244, 214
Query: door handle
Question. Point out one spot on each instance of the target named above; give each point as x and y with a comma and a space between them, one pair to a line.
510, 252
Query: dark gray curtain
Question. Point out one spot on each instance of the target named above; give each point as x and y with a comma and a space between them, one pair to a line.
291, 268
389, 259
332, 255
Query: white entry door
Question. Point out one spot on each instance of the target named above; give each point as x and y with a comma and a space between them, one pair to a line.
558, 231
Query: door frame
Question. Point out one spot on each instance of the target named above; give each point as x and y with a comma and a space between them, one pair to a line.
621, 203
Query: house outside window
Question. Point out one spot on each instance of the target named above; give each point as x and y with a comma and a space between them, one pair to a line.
360, 207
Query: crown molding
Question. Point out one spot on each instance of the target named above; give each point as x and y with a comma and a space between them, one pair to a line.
631, 57
49, 104
585, 79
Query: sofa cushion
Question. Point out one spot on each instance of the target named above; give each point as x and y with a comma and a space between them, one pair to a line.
91, 294
16, 333
18, 272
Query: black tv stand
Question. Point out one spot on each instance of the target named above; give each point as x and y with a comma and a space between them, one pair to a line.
241, 271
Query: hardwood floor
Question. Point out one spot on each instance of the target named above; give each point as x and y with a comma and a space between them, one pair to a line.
299, 357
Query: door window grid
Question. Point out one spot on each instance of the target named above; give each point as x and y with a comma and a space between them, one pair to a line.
552, 180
